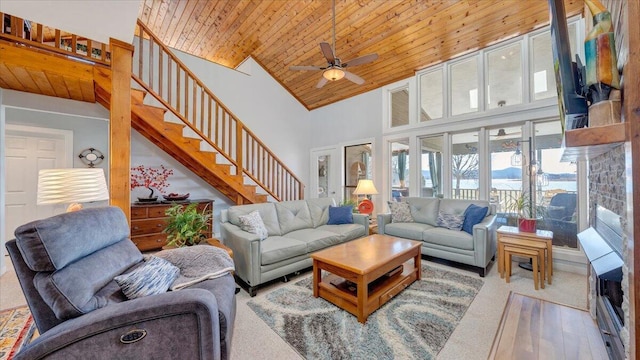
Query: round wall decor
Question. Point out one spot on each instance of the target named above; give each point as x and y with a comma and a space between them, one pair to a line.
91, 157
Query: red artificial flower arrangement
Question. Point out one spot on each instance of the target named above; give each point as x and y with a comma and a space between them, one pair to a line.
151, 178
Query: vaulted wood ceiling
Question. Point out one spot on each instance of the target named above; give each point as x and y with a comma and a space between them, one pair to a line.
407, 35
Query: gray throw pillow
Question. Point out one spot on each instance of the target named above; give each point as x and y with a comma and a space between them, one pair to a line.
253, 223
151, 278
400, 212
450, 221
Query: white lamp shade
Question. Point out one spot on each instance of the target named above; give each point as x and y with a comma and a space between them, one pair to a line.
365, 187
78, 185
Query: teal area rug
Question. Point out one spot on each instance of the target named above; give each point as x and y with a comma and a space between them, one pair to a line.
414, 325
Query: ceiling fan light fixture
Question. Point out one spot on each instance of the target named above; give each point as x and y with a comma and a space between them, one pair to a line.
333, 74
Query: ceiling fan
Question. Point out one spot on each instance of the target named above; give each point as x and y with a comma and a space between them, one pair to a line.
335, 69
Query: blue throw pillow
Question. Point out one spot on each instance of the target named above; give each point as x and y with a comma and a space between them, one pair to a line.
473, 215
340, 215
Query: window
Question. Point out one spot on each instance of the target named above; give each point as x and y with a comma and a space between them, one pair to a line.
399, 169
506, 179
400, 107
431, 166
543, 81
556, 185
464, 86
357, 166
464, 166
504, 76
431, 95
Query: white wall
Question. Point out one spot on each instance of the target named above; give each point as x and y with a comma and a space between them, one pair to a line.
96, 19
3, 267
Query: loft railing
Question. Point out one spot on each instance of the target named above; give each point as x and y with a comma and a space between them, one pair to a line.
167, 79
37, 35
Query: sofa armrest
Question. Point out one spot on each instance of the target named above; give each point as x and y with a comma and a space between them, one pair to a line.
484, 240
186, 320
361, 219
383, 219
246, 252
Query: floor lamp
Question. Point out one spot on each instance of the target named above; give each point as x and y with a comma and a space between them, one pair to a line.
71, 186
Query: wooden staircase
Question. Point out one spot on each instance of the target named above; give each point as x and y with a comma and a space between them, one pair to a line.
187, 120
150, 122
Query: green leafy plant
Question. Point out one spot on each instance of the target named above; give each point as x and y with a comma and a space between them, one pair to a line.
350, 202
522, 206
186, 225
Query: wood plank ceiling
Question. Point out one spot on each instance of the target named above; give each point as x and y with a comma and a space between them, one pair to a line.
407, 35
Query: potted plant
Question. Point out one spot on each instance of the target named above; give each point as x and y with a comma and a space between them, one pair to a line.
185, 225
525, 210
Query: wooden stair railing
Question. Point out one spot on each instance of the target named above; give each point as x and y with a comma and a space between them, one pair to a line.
168, 80
36, 35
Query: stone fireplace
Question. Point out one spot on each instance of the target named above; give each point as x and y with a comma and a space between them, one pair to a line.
607, 188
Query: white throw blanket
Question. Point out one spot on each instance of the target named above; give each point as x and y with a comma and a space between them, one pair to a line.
197, 263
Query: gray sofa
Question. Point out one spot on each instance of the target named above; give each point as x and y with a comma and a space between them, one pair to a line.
459, 246
66, 265
296, 229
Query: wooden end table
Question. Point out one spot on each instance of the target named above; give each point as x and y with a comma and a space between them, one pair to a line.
365, 273
511, 235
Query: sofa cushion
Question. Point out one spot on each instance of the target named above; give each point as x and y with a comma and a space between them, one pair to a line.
345, 231
450, 221
319, 210
253, 223
400, 212
53, 243
406, 230
473, 215
293, 215
278, 248
449, 238
267, 213
315, 239
339, 215
424, 210
153, 277
74, 290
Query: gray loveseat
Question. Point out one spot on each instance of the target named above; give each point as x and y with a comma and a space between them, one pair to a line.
66, 265
459, 246
296, 229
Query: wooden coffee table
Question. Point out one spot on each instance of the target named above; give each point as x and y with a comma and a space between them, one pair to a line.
365, 273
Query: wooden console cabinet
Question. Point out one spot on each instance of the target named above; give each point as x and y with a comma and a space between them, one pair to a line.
149, 220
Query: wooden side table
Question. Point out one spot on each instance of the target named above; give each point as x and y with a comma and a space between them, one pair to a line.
510, 235
373, 227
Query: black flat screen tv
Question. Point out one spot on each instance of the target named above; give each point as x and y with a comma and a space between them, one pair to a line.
573, 105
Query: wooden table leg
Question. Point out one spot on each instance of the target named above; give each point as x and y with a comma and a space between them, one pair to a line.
363, 294
541, 258
534, 260
417, 264
549, 260
316, 278
501, 259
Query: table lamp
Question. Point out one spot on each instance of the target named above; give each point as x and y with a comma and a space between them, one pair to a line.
71, 186
365, 187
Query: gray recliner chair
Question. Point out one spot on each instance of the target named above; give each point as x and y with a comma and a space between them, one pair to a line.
66, 265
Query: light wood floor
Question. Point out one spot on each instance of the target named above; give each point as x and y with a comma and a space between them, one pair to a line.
537, 329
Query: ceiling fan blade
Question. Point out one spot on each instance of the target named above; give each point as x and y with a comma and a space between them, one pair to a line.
353, 77
361, 60
323, 81
327, 52
303, 67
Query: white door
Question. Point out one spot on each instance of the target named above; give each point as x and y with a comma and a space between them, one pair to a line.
325, 174
27, 151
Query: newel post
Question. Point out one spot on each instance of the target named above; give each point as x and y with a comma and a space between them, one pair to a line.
120, 126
